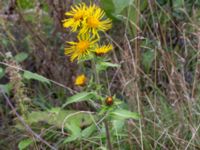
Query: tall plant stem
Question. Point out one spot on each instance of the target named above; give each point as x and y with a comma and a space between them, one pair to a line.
97, 80
108, 135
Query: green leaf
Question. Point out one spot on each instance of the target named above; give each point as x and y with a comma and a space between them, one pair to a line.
74, 128
29, 75
118, 125
21, 57
120, 5
178, 3
124, 114
102, 66
86, 58
108, 7
70, 138
56, 116
83, 96
114, 7
103, 148
76, 132
1, 72
147, 60
23, 144
87, 132
26, 4
6, 87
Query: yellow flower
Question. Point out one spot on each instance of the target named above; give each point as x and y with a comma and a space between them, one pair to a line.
95, 21
80, 80
82, 48
76, 15
103, 49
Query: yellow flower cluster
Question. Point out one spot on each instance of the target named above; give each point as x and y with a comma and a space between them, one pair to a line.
88, 21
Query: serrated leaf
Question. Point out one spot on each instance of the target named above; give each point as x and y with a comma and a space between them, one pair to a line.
21, 57
23, 144
29, 75
124, 114
83, 96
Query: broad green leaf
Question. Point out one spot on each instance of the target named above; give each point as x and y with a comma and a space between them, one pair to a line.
114, 7
23, 144
77, 133
56, 116
73, 121
37, 116
21, 57
74, 128
87, 132
70, 138
124, 114
120, 5
83, 96
29, 75
147, 60
101, 66
108, 7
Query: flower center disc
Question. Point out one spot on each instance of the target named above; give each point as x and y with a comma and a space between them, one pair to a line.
83, 45
92, 22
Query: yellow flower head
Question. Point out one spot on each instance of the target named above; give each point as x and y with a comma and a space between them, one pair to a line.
82, 48
80, 80
76, 15
103, 49
95, 21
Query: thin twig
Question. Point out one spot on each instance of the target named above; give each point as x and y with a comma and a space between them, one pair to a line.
23, 122
56, 83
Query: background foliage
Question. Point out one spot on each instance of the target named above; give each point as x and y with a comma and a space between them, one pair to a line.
155, 71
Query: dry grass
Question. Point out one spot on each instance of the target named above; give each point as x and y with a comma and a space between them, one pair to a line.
166, 94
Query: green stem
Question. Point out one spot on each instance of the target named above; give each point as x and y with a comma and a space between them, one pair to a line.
96, 74
97, 80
